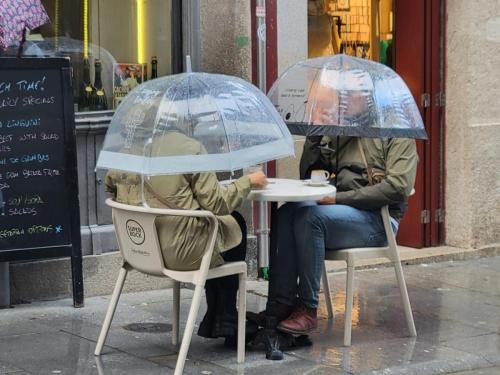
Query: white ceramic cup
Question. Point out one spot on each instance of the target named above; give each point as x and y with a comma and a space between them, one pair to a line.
319, 175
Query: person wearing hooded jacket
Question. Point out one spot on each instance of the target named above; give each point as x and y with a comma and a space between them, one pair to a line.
349, 219
183, 239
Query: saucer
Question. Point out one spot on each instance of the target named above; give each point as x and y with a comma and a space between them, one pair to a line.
316, 183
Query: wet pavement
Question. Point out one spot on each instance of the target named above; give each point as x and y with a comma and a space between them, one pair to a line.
456, 310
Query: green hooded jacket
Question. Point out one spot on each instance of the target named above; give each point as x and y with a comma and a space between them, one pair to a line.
182, 239
393, 163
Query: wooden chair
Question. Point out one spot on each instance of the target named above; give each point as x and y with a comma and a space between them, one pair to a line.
140, 248
350, 256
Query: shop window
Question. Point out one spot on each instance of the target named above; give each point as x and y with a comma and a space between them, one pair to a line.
123, 41
362, 28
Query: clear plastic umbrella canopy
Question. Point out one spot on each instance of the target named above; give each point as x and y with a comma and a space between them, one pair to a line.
75, 49
349, 96
194, 122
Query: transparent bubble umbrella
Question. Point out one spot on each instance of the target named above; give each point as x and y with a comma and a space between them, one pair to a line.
194, 122
75, 49
349, 96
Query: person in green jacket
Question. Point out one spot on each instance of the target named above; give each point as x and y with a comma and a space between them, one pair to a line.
183, 239
349, 219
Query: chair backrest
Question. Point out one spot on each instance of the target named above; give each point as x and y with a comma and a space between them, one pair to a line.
391, 238
137, 236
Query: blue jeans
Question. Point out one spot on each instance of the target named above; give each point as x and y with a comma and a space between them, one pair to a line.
305, 229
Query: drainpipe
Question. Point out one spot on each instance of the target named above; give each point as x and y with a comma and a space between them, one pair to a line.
260, 13
263, 225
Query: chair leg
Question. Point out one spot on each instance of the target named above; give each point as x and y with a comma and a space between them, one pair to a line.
111, 310
348, 305
188, 330
242, 306
175, 314
327, 293
404, 297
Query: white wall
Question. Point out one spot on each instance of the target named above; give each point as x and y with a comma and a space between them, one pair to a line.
473, 123
225, 37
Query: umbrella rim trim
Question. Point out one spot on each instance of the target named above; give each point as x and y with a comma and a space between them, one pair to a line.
349, 131
180, 164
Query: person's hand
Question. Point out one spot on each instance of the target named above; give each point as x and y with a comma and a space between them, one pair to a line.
328, 200
258, 180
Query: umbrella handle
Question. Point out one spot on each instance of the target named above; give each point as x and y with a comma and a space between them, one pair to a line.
21, 45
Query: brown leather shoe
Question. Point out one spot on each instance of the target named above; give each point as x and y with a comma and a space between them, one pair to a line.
301, 321
278, 310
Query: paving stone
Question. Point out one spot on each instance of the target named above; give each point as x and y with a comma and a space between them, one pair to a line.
484, 371
6, 368
486, 346
63, 353
456, 309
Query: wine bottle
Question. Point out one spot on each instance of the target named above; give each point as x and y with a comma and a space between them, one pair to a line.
144, 72
86, 88
99, 100
154, 68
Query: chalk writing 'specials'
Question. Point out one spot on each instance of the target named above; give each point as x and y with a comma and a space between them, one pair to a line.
99, 101
86, 88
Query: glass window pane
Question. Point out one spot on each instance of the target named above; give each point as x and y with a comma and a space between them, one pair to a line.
133, 31
118, 39
362, 28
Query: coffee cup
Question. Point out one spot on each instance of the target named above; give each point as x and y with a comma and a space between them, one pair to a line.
320, 176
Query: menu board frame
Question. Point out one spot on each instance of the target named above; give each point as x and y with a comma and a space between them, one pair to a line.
73, 248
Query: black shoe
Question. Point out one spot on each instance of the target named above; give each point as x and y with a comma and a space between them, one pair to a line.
251, 330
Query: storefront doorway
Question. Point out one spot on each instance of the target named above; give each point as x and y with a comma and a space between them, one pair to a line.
406, 36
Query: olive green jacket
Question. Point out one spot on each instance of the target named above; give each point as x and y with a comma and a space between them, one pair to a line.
393, 163
183, 240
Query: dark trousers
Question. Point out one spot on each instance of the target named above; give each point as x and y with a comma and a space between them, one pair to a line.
221, 316
239, 252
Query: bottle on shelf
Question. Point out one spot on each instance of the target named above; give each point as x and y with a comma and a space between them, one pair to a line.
154, 67
86, 88
99, 100
144, 72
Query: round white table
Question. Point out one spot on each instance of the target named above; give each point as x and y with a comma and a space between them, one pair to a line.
281, 190
288, 190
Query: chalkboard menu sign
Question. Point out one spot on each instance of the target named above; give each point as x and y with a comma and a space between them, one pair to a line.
39, 212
